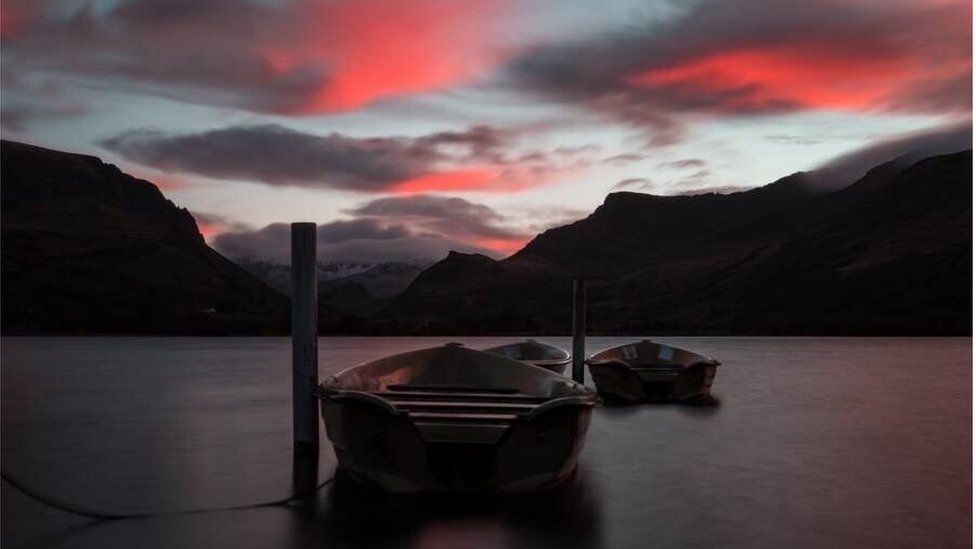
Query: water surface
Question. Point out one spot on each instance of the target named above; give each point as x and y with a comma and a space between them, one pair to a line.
817, 442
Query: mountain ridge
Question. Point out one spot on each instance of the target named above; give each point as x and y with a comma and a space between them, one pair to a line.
89, 249
723, 264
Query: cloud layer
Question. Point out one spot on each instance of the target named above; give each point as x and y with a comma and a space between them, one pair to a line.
476, 158
298, 56
313, 56
905, 149
394, 228
748, 57
667, 67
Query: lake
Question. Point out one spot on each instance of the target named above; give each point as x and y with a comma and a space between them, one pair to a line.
816, 442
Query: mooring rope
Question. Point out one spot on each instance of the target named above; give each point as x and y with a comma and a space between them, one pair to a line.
68, 507
80, 510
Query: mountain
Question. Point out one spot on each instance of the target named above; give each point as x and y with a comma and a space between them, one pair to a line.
89, 249
890, 254
346, 302
349, 292
385, 279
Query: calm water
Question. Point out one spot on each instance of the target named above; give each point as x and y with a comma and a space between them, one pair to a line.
817, 442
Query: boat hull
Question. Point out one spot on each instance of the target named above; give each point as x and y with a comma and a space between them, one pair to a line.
390, 452
619, 382
652, 372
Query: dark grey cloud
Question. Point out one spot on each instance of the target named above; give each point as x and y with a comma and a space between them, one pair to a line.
367, 240
277, 155
624, 158
426, 206
419, 227
209, 52
479, 143
634, 183
720, 189
366, 229
698, 175
442, 215
908, 148
683, 163
480, 157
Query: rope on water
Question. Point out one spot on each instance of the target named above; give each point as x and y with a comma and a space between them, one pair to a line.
68, 507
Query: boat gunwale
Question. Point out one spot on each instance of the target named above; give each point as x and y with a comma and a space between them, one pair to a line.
578, 388
704, 360
564, 359
589, 400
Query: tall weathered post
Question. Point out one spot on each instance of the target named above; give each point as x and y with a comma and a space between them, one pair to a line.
304, 337
579, 328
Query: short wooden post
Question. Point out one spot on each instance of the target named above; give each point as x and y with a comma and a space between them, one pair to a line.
304, 337
579, 328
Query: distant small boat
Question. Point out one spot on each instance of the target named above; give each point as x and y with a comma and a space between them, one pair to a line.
451, 418
535, 353
649, 371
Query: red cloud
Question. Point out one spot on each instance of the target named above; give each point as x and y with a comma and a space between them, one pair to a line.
7, 21
16, 16
374, 49
742, 57
503, 246
208, 230
758, 79
163, 180
463, 180
508, 176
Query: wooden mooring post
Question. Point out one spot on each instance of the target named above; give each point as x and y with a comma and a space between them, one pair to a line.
579, 328
304, 338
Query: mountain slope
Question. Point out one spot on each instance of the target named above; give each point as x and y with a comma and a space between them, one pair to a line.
631, 229
89, 249
890, 254
385, 279
887, 255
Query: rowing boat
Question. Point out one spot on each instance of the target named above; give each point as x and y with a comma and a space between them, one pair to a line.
650, 371
450, 418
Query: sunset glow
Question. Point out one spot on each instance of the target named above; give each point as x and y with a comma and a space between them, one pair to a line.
256, 113
461, 180
805, 78
374, 52
502, 246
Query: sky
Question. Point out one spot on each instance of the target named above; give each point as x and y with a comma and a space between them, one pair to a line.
407, 128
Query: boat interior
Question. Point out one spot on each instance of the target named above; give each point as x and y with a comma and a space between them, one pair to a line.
534, 352
651, 358
455, 394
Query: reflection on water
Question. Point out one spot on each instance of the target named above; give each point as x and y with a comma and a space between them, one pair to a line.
561, 516
862, 442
